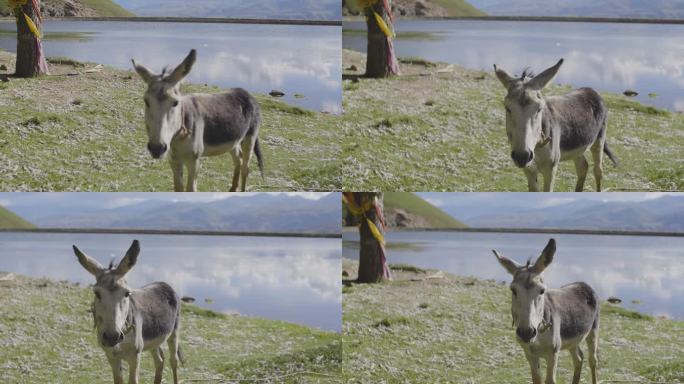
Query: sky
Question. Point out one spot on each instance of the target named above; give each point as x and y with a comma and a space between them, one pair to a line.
531, 199
32, 204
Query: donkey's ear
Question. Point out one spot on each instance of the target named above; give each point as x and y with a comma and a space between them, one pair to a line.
143, 72
503, 76
91, 265
183, 68
543, 79
510, 265
129, 260
546, 257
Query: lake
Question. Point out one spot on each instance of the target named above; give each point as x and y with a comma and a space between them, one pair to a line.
611, 57
647, 273
295, 59
291, 279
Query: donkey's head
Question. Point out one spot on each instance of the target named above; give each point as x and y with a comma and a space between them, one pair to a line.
162, 99
112, 295
527, 290
524, 105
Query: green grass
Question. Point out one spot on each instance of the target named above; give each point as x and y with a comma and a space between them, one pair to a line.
414, 204
104, 8
86, 133
458, 330
442, 127
459, 8
47, 337
10, 220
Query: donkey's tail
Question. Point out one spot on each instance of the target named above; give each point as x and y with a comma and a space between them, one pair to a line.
259, 156
610, 154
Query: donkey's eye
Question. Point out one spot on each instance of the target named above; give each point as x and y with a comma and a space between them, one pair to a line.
175, 103
127, 294
542, 291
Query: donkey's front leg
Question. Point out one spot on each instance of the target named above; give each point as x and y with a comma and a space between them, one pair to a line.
177, 168
115, 363
551, 365
549, 174
193, 167
133, 365
531, 174
535, 368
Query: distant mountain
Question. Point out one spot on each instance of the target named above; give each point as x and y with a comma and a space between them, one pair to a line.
662, 214
261, 9
62, 8
586, 8
10, 220
256, 213
408, 210
432, 8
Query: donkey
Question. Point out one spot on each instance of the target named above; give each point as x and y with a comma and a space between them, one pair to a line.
554, 319
543, 131
130, 321
195, 125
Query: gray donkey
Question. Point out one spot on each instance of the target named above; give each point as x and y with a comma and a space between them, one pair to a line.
543, 131
548, 321
130, 321
191, 126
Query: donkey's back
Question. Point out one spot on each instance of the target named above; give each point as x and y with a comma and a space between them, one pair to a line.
581, 116
159, 308
576, 306
227, 117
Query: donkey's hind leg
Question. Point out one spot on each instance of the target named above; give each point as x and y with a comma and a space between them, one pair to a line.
247, 150
592, 343
577, 358
237, 165
174, 351
581, 166
597, 155
158, 357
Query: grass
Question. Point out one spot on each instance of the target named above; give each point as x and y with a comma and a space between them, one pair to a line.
403, 35
459, 8
103, 8
47, 336
446, 132
451, 329
411, 203
78, 131
10, 220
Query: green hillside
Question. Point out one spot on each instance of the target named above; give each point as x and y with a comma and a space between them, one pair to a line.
459, 8
103, 8
413, 204
9, 220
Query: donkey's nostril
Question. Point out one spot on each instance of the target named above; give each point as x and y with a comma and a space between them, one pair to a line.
526, 334
522, 158
156, 150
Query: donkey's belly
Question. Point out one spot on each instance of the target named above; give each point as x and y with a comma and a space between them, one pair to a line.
573, 153
215, 150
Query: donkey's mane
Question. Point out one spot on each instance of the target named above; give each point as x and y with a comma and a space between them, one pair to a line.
111, 264
527, 74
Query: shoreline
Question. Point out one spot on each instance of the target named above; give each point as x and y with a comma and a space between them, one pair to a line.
205, 20
560, 231
560, 19
133, 231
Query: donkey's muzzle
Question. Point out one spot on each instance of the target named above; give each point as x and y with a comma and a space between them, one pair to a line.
526, 334
112, 339
157, 150
522, 158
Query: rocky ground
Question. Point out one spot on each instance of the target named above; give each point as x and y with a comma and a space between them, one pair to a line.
428, 326
46, 335
439, 127
81, 128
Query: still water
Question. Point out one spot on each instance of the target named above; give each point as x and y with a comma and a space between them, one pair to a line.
291, 279
609, 57
302, 60
647, 273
